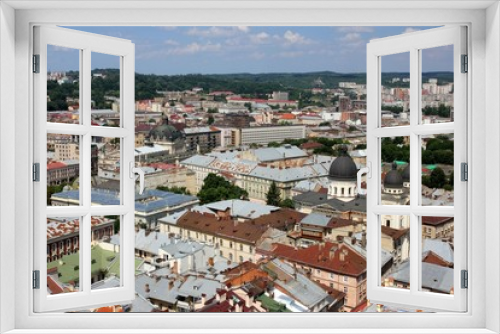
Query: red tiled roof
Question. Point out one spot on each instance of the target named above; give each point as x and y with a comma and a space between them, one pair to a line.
431, 257
310, 145
287, 116
109, 309
55, 165
360, 307
340, 222
393, 233
144, 128
434, 221
326, 257
54, 286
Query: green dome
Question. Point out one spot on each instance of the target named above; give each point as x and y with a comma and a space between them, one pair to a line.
165, 131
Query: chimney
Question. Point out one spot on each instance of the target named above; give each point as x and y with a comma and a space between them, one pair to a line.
203, 298
146, 288
340, 239
380, 308
175, 268
247, 300
237, 308
342, 255
363, 239
170, 285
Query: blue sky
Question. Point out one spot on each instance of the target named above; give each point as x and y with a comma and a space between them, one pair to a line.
209, 50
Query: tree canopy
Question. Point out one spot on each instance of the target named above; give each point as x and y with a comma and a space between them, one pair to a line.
216, 188
273, 195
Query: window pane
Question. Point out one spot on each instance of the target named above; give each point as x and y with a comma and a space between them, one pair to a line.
395, 89
437, 254
63, 256
395, 251
395, 177
63, 169
437, 84
106, 171
437, 170
63, 86
105, 93
105, 252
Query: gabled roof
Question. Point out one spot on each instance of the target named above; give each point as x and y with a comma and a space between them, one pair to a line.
325, 256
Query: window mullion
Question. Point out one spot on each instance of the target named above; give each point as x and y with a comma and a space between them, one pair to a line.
85, 176
415, 79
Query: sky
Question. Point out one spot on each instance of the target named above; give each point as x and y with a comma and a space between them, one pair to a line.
250, 49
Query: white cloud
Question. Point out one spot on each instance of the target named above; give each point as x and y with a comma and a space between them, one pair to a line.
261, 37
295, 38
409, 29
244, 29
351, 37
194, 48
358, 29
217, 31
171, 42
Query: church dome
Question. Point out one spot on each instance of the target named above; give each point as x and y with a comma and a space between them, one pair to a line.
393, 179
406, 173
343, 167
165, 131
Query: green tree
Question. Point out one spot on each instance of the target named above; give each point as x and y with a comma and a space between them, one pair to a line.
248, 105
273, 144
174, 189
273, 195
437, 178
216, 188
287, 203
211, 120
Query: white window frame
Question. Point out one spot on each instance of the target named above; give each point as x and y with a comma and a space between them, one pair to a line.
85, 43
412, 44
482, 317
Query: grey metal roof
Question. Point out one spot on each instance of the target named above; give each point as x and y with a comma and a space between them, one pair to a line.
303, 289
244, 209
173, 218
314, 199
278, 153
199, 160
141, 305
434, 277
194, 286
289, 174
150, 243
110, 282
151, 200
317, 219
441, 248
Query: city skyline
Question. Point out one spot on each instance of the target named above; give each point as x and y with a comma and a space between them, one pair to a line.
225, 50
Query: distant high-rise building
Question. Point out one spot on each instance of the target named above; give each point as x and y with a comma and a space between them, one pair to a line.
344, 103
280, 96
